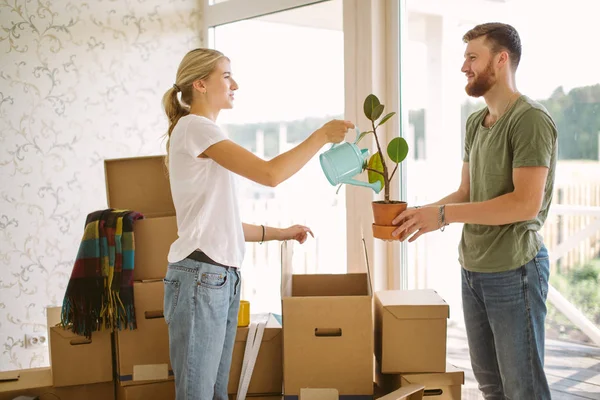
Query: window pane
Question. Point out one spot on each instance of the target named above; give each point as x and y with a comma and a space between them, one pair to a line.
558, 69
291, 75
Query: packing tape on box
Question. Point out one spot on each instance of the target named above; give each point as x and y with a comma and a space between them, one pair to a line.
255, 335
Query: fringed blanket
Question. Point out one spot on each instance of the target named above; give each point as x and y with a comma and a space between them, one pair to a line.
100, 291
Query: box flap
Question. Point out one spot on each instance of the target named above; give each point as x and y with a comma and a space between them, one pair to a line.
287, 270
140, 184
410, 392
330, 285
414, 304
53, 316
452, 376
272, 330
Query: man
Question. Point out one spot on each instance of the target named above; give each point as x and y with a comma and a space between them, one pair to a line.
503, 200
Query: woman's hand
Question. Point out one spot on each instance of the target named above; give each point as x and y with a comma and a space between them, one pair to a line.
335, 131
296, 232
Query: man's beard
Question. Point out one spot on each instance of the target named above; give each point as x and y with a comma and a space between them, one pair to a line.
482, 83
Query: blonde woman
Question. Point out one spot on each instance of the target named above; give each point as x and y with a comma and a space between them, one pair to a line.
202, 284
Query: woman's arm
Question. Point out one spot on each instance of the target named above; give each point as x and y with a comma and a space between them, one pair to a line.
254, 233
271, 173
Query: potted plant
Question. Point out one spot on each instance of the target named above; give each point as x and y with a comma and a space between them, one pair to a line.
378, 169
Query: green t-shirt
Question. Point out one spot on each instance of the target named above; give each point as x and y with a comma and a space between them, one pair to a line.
525, 136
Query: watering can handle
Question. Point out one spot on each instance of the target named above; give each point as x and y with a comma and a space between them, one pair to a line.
355, 140
357, 135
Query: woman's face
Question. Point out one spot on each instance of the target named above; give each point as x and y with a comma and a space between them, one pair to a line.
220, 86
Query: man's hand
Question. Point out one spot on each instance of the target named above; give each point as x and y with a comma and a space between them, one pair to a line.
420, 220
296, 232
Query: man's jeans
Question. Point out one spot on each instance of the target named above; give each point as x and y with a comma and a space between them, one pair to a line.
504, 317
201, 308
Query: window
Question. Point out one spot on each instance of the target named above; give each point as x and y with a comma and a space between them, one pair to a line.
559, 69
290, 69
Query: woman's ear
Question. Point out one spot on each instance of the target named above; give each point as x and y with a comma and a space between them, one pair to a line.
199, 85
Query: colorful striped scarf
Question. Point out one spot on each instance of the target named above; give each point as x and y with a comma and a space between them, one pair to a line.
100, 291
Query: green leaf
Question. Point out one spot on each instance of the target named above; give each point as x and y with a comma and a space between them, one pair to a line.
397, 149
384, 119
370, 103
362, 135
376, 164
377, 111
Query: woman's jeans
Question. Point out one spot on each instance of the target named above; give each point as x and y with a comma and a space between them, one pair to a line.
201, 308
504, 316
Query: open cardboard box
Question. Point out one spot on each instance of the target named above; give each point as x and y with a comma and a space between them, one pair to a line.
142, 184
327, 331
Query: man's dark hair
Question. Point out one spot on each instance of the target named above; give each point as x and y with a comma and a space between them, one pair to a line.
500, 37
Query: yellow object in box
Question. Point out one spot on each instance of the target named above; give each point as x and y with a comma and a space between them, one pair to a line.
244, 313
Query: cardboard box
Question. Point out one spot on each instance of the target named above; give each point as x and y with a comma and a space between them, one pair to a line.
38, 382
143, 353
410, 392
328, 334
158, 390
410, 331
142, 184
267, 377
76, 360
438, 386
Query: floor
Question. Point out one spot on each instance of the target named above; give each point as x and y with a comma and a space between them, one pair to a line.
573, 370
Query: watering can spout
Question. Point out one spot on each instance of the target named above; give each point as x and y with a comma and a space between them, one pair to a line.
376, 186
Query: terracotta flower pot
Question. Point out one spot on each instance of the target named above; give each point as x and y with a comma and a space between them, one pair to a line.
383, 215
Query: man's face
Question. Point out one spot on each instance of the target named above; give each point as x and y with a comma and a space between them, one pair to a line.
478, 68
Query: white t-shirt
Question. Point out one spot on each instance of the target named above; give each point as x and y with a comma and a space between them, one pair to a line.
205, 195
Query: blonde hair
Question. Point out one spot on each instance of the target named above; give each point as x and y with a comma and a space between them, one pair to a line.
196, 64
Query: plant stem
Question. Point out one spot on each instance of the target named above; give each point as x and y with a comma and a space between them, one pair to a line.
386, 180
393, 172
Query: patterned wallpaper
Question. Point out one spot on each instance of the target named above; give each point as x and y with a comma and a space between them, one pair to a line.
79, 82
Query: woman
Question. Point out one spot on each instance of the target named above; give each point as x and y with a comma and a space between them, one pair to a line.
202, 285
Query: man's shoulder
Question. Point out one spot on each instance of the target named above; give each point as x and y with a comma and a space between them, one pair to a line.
529, 108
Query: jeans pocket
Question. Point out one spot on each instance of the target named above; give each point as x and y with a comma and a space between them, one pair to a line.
171, 298
542, 266
213, 280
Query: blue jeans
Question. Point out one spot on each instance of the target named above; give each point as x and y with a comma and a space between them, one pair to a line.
201, 308
504, 317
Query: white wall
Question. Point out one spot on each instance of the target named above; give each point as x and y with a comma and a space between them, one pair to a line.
79, 82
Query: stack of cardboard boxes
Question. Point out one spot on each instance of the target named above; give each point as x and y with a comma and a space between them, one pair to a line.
325, 350
410, 343
143, 368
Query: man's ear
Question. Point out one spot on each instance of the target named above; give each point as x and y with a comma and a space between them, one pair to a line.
503, 59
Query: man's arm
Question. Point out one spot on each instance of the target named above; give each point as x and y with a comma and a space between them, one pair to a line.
522, 204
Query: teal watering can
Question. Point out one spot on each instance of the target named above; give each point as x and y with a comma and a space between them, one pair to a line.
343, 161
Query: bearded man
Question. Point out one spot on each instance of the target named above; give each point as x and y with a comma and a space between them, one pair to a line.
503, 200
